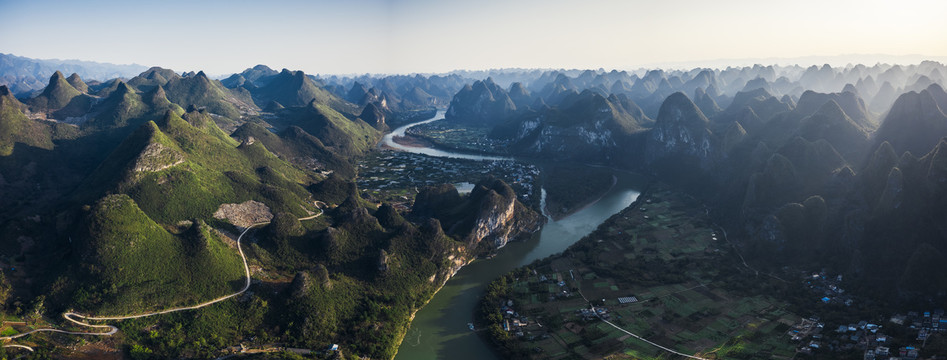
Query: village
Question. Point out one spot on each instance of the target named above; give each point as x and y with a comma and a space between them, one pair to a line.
900, 337
395, 176
461, 137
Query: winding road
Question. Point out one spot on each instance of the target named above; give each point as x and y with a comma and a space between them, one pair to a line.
72, 317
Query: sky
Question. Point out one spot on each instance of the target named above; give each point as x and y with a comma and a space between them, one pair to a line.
428, 36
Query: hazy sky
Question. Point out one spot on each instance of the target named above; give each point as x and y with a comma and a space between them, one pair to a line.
402, 36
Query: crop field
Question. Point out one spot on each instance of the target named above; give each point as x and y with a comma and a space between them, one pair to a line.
663, 253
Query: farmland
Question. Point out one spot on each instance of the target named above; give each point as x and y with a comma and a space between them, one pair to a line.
681, 286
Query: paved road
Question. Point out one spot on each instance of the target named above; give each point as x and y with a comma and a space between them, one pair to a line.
71, 316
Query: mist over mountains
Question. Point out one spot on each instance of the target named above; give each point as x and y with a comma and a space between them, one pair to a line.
841, 168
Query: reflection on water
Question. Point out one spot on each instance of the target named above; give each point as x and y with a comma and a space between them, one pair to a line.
388, 140
464, 187
439, 331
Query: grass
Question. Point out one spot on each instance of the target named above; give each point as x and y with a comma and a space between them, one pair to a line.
15, 127
141, 266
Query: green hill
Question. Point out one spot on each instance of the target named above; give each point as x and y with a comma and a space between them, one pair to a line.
201, 91
121, 106
56, 95
294, 88
298, 147
137, 265
77, 83
184, 168
15, 127
341, 135
60, 99
153, 77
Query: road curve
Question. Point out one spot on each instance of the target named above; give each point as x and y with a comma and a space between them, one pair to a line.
72, 316
672, 351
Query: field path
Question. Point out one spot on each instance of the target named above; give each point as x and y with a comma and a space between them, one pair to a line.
672, 351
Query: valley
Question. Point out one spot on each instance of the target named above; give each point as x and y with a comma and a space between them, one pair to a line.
376, 216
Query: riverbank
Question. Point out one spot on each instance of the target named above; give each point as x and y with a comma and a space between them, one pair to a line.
414, 312
571, 187
657, 270
556, 215
438, 329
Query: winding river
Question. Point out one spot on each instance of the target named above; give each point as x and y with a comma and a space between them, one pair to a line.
439, 330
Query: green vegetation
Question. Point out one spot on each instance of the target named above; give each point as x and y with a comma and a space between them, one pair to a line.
15, 127
297, 147
570, 186
57, 95
344, 136
689, 294
201, 91
136, 265
459, 136
198, 168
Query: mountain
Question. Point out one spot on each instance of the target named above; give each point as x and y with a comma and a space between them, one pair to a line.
832, 124
915, 123
681, 130
884, 98
848, 101
489, 214
763, 104
520, 96
584, 126
706, 103
153, 77
122, 248
77, 83
484, 103
295, 88
180, 168
357, 93
60, 100
24, 75
297, 147
199, 90
374, 116
256, 76
343, 136
16, 128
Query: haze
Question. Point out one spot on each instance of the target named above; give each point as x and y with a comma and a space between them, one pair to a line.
376, 36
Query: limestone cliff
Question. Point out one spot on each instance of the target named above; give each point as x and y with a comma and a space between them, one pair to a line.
490, 215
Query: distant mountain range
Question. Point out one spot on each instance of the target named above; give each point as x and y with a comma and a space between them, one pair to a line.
766, 145
124, 194
24, 75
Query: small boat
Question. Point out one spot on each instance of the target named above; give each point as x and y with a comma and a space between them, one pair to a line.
470, 326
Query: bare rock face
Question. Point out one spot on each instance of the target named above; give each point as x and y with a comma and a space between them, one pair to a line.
244, 214
492, 220
681, 130
157, 157
490, 213
382, 261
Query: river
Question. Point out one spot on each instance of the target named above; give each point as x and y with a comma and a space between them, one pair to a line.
439, 330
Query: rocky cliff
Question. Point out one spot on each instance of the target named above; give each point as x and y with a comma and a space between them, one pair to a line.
487, 218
